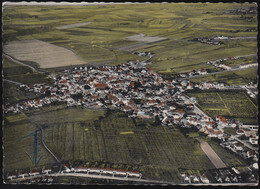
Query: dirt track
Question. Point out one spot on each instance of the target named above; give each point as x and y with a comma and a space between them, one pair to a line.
72, 25
214, 158
45, 54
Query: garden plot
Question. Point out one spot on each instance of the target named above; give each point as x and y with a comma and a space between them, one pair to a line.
45, 54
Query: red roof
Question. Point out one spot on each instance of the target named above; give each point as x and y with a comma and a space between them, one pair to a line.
103, 69
127, 107
152, 101
222, 119
100, 85
63, 81
181, 111
251, 152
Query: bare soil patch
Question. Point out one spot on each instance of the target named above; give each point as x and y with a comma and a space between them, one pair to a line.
45, 54
143, 38
213, 157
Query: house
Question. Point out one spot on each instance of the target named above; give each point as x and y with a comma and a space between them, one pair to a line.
11, 175
187, 179
250, 153
22, 174
214, 133
222, 121
195, 179
204, 179
46, 171
134, 174
253, 140
34, 172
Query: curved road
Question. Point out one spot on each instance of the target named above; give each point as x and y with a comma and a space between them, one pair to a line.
14, 82
21, 63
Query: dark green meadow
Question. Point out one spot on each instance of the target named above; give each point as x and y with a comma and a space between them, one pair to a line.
22, 74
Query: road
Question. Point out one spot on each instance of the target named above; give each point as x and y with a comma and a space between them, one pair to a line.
85, 175
14, 82
232, 38
246, 144
197, 109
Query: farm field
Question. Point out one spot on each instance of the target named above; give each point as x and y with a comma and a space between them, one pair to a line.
232, 104
105, 140
109, 26
45, 54
237, 77
226, 156
148, 150
15, 128
247, 60
99, 142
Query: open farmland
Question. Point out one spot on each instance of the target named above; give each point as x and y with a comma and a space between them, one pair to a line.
45, 54
72, 25
15, 146
115, 141
111, 25
232, 104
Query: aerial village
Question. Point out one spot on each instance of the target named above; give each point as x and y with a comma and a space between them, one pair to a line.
136, 89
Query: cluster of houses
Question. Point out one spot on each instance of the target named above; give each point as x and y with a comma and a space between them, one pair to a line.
210, 85
251, 90
131, 87
192, 73
232, 175
143, 54
219, 63
102, 171
244, 10
227, 176
194, 179
210, 41
34, 175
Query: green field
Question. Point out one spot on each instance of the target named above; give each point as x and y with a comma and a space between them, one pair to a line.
232, 104
251, 59
22, 74
99, 40
238, 77
226, 156
150, 149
